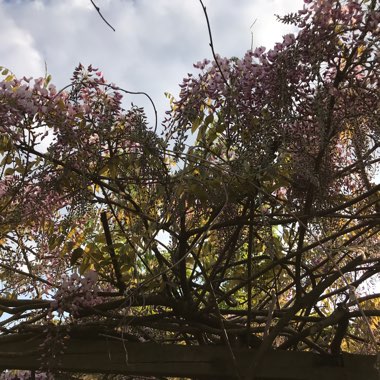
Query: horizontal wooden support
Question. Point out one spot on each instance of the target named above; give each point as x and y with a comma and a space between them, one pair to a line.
112, 355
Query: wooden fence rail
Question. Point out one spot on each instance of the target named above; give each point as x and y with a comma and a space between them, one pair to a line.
112, 355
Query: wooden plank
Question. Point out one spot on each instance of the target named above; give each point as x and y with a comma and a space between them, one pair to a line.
104, 355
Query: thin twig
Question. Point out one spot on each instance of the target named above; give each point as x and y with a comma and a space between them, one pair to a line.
212, 44
116, 88
249, 266
98, 10
254, 22
271, 307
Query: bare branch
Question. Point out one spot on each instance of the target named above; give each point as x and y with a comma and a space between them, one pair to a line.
212, 44
98, 10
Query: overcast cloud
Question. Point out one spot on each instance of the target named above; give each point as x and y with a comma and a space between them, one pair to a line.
154, 46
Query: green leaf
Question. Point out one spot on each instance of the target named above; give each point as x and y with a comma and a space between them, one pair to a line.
76, 255
9, 171
47, 80
196, 123
209, 119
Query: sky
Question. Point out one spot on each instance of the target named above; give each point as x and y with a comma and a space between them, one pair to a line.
153, 48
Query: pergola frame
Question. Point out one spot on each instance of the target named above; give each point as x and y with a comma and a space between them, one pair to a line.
111, 354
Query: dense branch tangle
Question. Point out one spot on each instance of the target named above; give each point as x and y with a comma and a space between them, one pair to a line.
260, 236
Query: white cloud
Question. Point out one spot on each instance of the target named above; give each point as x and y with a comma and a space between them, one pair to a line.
18, 48
267, 30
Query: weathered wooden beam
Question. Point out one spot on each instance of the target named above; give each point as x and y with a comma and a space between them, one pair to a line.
110, 355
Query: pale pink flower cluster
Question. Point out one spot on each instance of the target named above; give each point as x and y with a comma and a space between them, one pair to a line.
25, 375
5, 184
25, 98
36, 202
86, 124
284, 96
76, 292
